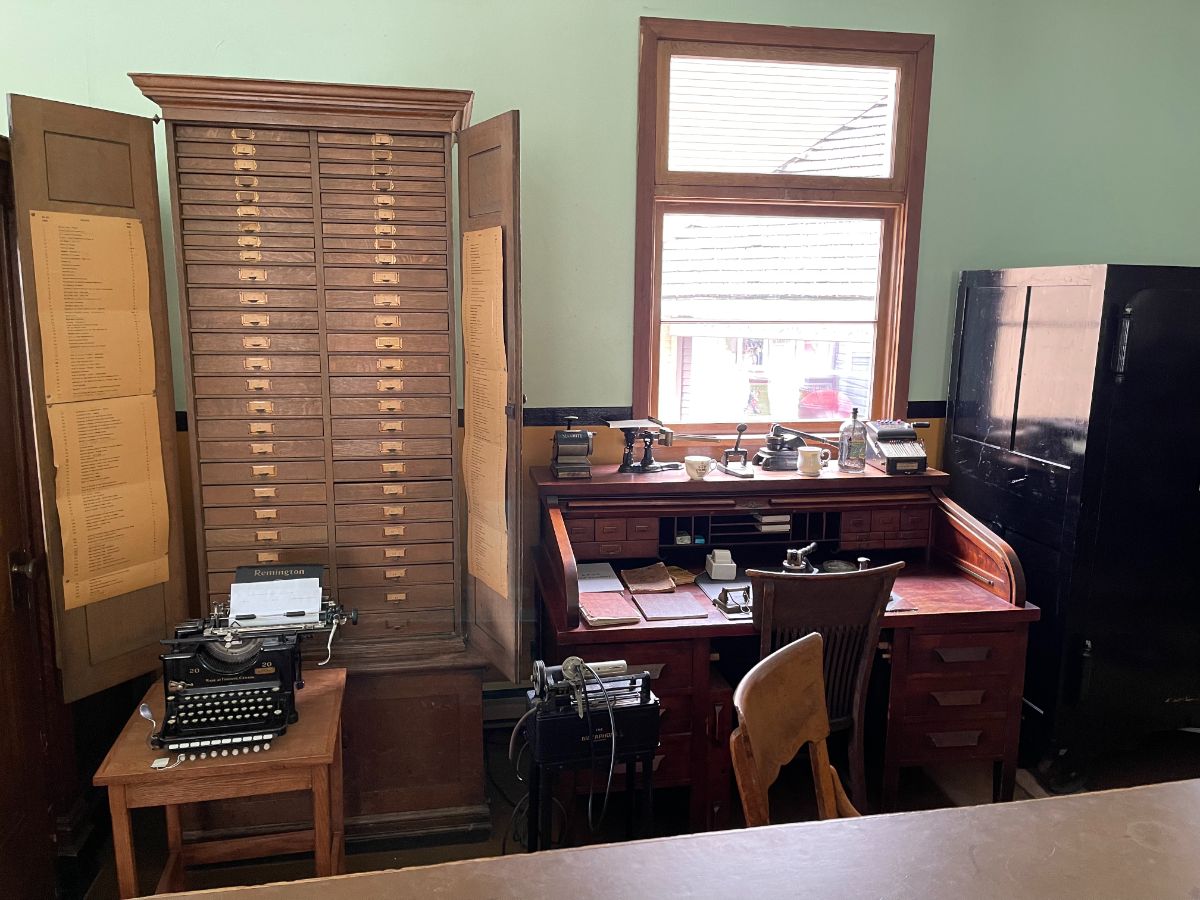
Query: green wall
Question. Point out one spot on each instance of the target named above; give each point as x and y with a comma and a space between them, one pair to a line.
1063, 131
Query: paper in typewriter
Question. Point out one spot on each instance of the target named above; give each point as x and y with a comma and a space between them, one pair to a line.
92, 283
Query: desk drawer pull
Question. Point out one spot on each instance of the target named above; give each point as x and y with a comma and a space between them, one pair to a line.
393, 490
256, 343
397, 597
267, 557
385, 243
386, 259
256, 364
946, 739
391, 406
250, 256
382, 185
249, 226
252, 298
266, 535
242, 134
243, 149
259, 321
264, 493
262, 449
252, 274
395, 552
391, 425
394, 531
263, 471
389, 343
385, 215
384, 277
962, 654
258, 384
384, 200
246, 196
245, 165
382, 156
389, 384
385, 229
260, 406
391, 511
245, 181
249, 241
379, 139
389, 365
391, 446
957, 698
395, 573
386, 299
393, 468
262, 427
266, 514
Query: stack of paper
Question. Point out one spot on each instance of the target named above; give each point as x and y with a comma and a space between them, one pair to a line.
289, 601
652, 579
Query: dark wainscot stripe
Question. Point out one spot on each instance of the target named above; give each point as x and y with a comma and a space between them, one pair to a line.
926, 409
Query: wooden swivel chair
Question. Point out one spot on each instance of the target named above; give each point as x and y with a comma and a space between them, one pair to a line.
846, 609
781, 707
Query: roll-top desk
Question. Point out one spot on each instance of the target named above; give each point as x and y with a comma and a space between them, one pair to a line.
957, 646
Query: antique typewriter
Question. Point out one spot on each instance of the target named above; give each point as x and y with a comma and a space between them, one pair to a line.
230, 680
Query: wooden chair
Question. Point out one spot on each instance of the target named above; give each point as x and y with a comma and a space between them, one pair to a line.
781, 707
846, 609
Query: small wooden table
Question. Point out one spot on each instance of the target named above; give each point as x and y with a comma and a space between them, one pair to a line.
307, 758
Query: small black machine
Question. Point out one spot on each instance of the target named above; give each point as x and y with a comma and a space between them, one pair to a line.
893, 446
780, 453
648, 431
230, 680
572, 447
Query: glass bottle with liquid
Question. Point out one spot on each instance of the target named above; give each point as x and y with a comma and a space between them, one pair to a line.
852, 444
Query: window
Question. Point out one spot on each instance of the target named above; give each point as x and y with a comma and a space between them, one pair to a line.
779, 187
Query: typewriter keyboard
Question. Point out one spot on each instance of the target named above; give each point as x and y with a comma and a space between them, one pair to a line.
225, 722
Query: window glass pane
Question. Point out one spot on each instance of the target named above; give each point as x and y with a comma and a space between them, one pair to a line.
772, 117
758, 373
769, 268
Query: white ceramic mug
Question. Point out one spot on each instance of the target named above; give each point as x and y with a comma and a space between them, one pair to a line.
698, 466
811, 460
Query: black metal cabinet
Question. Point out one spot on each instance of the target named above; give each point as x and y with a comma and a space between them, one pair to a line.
1072, 430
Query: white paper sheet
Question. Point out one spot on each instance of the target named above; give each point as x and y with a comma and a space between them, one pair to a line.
598, 578
269, 602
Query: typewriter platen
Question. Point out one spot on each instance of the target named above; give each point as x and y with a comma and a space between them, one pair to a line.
230, 683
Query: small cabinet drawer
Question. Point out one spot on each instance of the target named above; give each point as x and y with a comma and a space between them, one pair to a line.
395, 343
376, 140
380, 214
929, 742
387, 321
399, 511
217, 429
376, 576
250, 299
240, 165
248, 212
274, 342
243, 149
254, 362
947, 698
384, 278
393, 532
378, 470
263, 495
264, 516
965, 653
265, 384
409, 406
261, 472
387, 383
392, 554
400, 622
610, 530
252, 322
228, 560
262, 447
379, 363
915, 518
675, 712
381, 299
581, 530
245, 226
251, 273
615, 550
237, 241
427, 195
394, 491
240, 133
856, 522
248, 255
385, 229
642, 529
274, 406
395, 426
266, 536
415, 596
381, 183
885, 520
247, 195
390, 446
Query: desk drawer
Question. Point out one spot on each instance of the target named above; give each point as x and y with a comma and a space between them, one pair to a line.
672, 766
387, 384
246, 344
676, 713
581, 530
376, 363
265, 384
373, 406
251, 273
395, 554
399, 510
257, 429
385, 278
387, 321
393, 532
253, 362
264, 447
374, 470
931, 742
401, 343
389, 446
392, 428
950, 698
642, 530
263, 495
397, 144
394, 492
261, 472
227, 560
669, 662
266, 536
264, 516
248, 300
383, 300
290, 407
615, 550
416, 596
246, 226
399, 622
964, 653
608, 530
400, 574
253, 134
856, 522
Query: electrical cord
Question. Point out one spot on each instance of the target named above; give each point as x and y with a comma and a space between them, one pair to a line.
612, 761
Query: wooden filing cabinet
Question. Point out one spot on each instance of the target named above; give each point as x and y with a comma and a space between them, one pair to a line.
313, 238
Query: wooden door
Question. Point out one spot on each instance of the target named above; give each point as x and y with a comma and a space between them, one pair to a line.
489, 194
73, 159
26, 832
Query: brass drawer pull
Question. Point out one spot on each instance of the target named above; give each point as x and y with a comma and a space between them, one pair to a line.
387, 321
262, 427
394, 530
393, 490
246, 196
266, 514
249, 241
245, 165
250, 226
389, 384
393, 468
384, 200
381, 140
389, 365
267, 557
385, 299
393, 511
389, 343
385, 244
272, 535
385, 215
382, 185
258, 321
263, 471
962, 654
247, 211
258, 384
252, 298
261, 406
395, 573
397, 597
252, 274
385, 229
391, 406
257, 363
391, 446
245, 181
242, 134
386, 259
262, 449
946, 739
258, 342
381, 155
395, 552
957, 698
264, 493
391, 425
243, 149
250, 256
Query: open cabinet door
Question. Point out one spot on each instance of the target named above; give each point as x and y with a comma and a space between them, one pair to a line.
70, 162
489, 190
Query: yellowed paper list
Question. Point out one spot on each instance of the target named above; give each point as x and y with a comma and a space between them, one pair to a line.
93, 300
483, 299
112, 499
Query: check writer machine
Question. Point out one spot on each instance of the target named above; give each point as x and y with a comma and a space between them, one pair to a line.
230, 680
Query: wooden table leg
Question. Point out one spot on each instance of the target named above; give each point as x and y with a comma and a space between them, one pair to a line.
174, 829
322, 839
172, 879
127, 882
337, 809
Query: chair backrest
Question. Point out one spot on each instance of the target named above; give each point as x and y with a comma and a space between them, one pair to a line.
781, 707
846, 609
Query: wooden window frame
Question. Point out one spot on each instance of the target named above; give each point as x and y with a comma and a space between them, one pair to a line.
896, 199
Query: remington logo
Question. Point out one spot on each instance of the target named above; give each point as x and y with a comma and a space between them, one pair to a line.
279, 573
